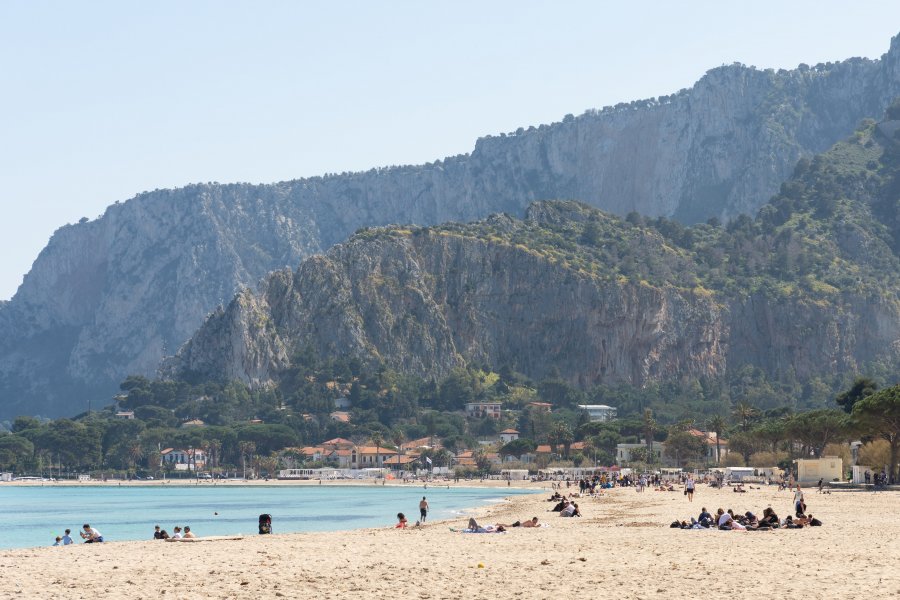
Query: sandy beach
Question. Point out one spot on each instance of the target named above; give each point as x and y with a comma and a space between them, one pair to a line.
622, 547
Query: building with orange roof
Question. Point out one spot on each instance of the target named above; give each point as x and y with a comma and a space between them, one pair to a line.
508, 435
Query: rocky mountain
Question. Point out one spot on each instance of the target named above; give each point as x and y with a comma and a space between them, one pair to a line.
543, 296
112, 296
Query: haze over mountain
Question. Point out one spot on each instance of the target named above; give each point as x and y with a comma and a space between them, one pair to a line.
112, 296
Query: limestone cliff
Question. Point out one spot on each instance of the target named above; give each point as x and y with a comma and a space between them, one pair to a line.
424, 301
112, 296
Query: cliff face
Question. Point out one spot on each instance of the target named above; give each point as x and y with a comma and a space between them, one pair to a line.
426, 301
112, 296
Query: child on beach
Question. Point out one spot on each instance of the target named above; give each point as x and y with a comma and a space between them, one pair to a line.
401, 521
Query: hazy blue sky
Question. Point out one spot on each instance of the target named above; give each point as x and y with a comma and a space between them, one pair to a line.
102, 100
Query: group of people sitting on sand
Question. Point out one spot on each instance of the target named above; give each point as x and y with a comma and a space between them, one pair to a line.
178, 533
87, 533
728, 520
567, 508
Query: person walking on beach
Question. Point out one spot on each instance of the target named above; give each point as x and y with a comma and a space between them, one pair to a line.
689, 488
423, 509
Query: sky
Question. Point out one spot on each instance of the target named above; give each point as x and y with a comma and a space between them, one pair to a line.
100, 101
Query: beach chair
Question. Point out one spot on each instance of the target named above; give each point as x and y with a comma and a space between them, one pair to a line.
265, 524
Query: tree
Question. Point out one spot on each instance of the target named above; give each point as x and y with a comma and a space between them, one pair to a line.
818, 428
247, 449
378, 440
879, 415
517, 448
562, 434
15, 451
745, 415
649, 427
685, 447
717, 425
862, 387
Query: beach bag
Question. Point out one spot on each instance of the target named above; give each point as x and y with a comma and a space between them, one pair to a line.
265, 524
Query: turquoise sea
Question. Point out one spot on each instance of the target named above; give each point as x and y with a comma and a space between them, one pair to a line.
34, 516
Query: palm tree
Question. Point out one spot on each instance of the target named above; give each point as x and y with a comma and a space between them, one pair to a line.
745, 414
397, 438
717, 425
649, 429
378, 440
245, 449
135, 453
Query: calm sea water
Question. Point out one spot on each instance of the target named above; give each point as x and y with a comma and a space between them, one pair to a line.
34, 516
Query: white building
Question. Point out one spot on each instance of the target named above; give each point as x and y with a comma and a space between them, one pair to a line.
508, 435
599, 412
624, 452
483, 409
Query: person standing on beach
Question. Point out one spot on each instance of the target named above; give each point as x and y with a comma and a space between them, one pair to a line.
423, 509
689, 488
799, 503
67, 538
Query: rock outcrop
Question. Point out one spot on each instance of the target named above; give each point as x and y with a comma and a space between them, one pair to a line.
112, 296
425, 301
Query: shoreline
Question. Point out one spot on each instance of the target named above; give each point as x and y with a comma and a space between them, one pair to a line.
622, 545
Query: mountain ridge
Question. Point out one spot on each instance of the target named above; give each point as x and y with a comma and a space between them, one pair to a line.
112, 296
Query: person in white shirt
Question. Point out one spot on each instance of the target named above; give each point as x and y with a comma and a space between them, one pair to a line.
799, 502
90, 535
689, 489
176, 535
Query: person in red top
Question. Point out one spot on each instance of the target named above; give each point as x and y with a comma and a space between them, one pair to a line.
401, 521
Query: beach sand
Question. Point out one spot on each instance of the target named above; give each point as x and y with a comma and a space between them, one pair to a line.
621, 548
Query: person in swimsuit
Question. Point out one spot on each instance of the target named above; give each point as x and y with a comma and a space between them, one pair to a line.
423, 509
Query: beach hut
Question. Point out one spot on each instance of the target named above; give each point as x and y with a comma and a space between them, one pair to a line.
827, 468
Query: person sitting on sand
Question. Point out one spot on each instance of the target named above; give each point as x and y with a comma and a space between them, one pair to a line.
705, 519
769, 519
559, 507
799, 503
176, 533
569, 510
157, 533
90, 535
58, 541
188, 534
401, 521
67, 538
163, 535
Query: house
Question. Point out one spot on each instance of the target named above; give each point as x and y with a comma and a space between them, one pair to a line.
340, 416
193, 423
508, 435
425, 442
338, 444
709, 438
344, 458
483, 409
544, 451
400, 463
372, 457
540, 406
125, 414
599, 412
828, 468
192, 459
624, 451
